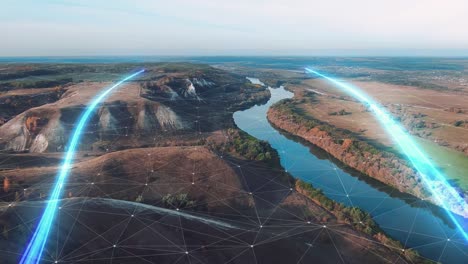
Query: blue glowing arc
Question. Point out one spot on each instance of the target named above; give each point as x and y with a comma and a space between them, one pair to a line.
428, 172
33, 252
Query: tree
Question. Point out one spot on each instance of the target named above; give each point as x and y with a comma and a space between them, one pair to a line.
6, 184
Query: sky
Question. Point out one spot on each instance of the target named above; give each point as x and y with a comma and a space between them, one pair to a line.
237, 27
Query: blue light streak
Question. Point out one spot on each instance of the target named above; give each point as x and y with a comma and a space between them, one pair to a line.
428, 172
33, 252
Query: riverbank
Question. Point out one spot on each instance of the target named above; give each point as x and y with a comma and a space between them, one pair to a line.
332, 214
357, 219
381, 165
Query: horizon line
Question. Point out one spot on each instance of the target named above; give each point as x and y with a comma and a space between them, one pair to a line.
239, 55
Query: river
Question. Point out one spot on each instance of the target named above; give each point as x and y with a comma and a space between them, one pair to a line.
415, 223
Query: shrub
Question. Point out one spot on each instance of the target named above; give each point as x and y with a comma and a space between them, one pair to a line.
458, 123
180, 200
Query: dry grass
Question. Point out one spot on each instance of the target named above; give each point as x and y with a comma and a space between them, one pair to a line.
432, 107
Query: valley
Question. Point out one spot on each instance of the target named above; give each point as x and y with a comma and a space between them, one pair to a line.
163, 174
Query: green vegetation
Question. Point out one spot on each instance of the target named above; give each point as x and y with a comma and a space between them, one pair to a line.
50, 75
354, 216
288, 108
342, 112
35, 84
452, 163
360, 220
459, 123
185, 66
389, 78
26, 73
419, 124
178, 201
249, 147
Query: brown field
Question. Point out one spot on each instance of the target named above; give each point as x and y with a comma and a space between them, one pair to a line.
435, 111
402, 101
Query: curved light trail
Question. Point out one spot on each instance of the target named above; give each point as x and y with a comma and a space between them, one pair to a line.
430, 175
33, 252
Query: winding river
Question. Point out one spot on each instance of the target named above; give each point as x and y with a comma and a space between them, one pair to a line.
415, 223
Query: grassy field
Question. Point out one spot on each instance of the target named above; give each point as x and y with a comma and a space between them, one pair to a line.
452, 163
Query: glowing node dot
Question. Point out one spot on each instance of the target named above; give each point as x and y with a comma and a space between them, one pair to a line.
193, 183
177, 209
251, 246
448, 239
114, 246
133, 215
308, 222
324, 226
186, 252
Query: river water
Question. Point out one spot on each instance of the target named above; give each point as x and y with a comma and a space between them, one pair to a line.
415, 223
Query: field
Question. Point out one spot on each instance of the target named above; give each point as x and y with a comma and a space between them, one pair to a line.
162, 166
428, 95
451, 162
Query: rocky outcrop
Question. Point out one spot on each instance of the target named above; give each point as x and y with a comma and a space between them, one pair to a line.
47, 128
169, 103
